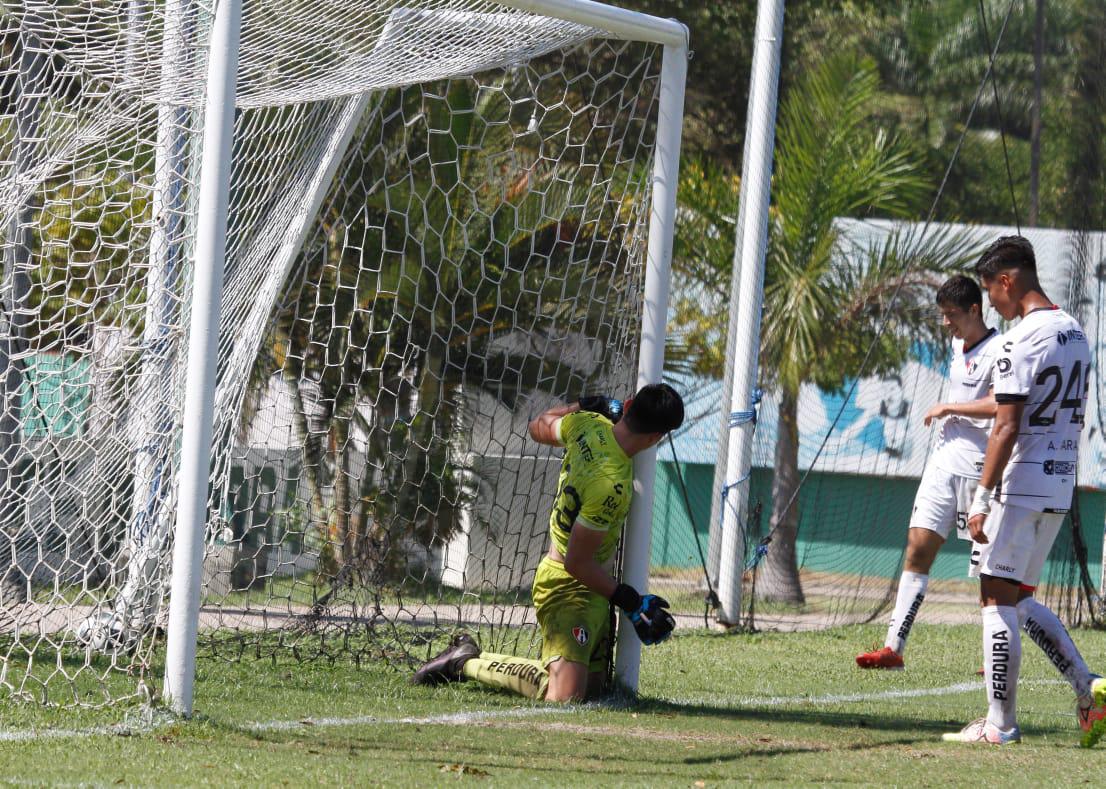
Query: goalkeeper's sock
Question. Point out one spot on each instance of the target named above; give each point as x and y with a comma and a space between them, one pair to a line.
1048, 632
519, 675
1002, 657
912, 591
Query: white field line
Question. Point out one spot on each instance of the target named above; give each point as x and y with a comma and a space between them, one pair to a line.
465, 718
126, 730
847, 698
451, 719
26, 735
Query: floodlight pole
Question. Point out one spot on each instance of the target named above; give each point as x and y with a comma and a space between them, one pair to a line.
658, 267
746, 300
203, 336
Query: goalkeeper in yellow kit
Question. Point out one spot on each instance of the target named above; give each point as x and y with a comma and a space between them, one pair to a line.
573, 586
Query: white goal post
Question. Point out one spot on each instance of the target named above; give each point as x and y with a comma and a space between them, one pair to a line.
282, 286
191, 523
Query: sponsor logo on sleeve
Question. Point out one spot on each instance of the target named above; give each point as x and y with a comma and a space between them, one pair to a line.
585, 450
1004, 365
1071, 335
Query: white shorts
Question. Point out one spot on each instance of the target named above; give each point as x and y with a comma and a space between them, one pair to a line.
943, 500
1020, 540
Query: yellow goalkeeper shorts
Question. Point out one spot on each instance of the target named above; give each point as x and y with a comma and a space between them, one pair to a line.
574, 621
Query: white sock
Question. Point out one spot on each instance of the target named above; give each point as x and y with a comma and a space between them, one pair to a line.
912, 591
1002, 657
1048, 632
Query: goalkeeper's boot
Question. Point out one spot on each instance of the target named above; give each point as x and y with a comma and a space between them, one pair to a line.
886, 658
447, 665
1091, 711
983, 732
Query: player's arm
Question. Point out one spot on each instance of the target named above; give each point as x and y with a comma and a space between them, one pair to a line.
647, 612
546, 428
983, 408
580, 563
1013, 376
1000, 445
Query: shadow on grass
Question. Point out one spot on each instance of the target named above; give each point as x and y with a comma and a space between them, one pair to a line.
876, 721
814, 717
612, 754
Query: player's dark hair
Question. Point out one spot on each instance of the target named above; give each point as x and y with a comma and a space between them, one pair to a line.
656, 408
1008, 252
960, 291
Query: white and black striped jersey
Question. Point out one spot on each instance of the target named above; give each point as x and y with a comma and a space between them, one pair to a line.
1043, 362
963, 439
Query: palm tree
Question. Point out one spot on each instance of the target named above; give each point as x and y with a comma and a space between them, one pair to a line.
702, 252
932, 57
826, 306
824, 302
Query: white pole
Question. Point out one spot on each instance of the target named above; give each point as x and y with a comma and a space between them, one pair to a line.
662, 220
714, 543
749, 254
149, 427
211, 241
624, 23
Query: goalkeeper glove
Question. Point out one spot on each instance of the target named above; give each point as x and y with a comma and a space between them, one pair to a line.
602, 405
648, 613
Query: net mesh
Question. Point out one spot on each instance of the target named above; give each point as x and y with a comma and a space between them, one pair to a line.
437, 229
859, 443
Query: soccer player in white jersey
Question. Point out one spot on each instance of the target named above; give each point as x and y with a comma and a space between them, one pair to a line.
950, 476
1040, 385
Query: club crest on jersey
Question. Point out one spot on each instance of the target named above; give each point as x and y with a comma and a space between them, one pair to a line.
973, 365
581, 635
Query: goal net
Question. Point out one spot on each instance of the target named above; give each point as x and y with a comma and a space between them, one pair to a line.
437, 228
851, 353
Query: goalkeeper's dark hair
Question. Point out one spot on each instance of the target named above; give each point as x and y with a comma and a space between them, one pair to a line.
1009, 252
960, 291
656, 408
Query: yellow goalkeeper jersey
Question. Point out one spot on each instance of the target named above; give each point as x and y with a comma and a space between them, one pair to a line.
595, 485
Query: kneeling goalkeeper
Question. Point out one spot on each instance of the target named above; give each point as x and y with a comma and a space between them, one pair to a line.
573, 584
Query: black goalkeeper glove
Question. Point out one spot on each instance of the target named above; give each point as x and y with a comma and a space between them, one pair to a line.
648, 613
602, 405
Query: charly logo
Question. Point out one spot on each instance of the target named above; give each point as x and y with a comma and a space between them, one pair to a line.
581, 635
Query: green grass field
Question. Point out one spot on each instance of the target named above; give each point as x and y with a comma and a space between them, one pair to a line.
714, 709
